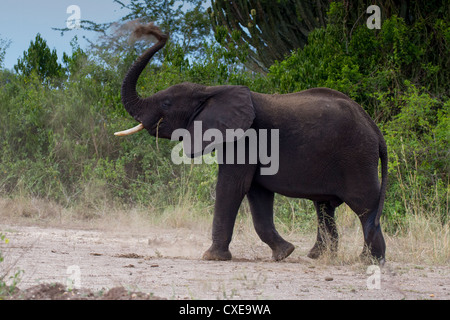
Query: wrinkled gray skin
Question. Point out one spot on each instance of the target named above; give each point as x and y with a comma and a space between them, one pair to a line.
329, 150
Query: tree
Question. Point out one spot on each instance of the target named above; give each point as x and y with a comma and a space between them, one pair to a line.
268, 31
4, 44
74, 62
185, 20
40, 59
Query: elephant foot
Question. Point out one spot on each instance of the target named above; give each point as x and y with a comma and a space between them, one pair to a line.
216, 254
316, 252
282, 251
319, 249
369, 258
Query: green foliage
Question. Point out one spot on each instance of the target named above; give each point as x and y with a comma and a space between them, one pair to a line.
418, 138
40, 60
369, 63
7, 284
320, 64
75, 62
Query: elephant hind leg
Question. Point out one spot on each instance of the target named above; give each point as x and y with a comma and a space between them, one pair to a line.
374, 244
361, 192
327, 234
261, 206
366, 208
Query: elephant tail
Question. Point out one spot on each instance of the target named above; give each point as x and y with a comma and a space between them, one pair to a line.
384, 178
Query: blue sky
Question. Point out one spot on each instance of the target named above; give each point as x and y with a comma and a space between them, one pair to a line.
21, 20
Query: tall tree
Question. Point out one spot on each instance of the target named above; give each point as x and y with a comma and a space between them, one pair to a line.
268, 30
41, 59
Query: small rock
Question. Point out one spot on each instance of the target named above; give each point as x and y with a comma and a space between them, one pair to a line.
328, 279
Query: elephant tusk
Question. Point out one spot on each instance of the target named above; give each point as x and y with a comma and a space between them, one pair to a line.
138, 128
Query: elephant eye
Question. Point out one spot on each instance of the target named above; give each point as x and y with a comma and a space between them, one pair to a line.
166, 104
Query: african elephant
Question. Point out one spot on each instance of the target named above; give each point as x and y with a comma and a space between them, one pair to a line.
328, 147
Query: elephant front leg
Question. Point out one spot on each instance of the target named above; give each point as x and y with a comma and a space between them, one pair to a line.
261, 205
228, 200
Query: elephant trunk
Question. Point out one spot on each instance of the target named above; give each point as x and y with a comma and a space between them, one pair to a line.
130, 98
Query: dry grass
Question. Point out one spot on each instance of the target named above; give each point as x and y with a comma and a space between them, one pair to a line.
422, 239
24, 209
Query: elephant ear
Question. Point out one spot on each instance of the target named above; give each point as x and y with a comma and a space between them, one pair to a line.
222, 108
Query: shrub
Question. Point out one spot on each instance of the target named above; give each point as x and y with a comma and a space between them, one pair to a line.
418, 139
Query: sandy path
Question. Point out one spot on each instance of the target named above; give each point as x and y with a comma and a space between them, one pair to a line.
167, 264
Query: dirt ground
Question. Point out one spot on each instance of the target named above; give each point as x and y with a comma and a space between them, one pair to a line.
166, 263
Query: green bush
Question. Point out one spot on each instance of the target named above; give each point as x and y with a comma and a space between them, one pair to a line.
418, 138
365, 63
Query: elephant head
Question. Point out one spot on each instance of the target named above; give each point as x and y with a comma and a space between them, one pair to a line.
178, 107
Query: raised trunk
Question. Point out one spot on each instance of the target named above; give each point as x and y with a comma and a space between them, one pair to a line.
130, 98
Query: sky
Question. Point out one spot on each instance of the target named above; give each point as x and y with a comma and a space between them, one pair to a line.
21, 20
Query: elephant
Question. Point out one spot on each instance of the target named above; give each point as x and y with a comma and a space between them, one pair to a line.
328, 152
